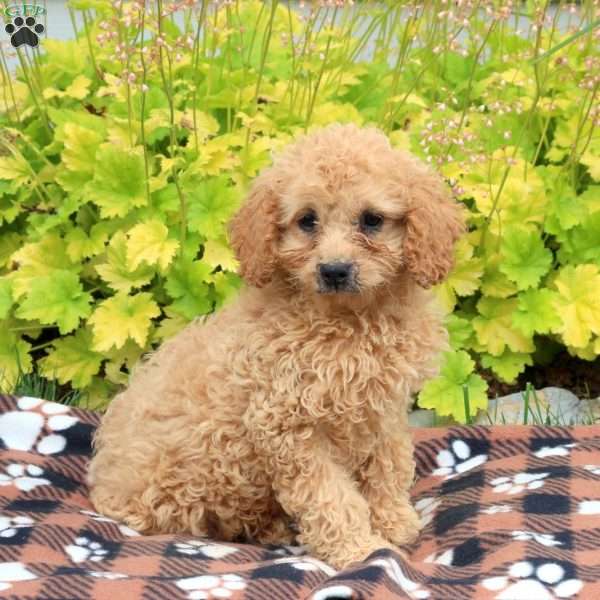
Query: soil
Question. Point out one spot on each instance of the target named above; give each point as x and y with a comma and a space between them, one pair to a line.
581, 377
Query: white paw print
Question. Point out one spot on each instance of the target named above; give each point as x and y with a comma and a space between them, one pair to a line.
560, 450
445, 558
198, 547
85, 549
102, 519
411, 588
286, 550
334, 591
107, 575
24, 477
526, 581
10, 525
595, 469
544, 539
306, 564
589, 507
21, 429
426, 508
207, 587
457, 460
494, 509
518, 483
13, 571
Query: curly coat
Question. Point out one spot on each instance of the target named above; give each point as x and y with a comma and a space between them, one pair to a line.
291, 404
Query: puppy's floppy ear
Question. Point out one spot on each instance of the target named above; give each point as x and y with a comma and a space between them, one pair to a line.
253, 231
434, 222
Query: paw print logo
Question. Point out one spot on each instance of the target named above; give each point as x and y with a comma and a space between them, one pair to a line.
211, 587
518, 483
545, 581
205, 549
35, 426
461, 457
14, 530
24, 31
85, 549
426, 508
23, 477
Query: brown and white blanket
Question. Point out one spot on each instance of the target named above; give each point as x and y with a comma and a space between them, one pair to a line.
510, 513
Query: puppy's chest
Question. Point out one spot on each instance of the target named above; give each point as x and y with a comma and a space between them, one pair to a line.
354, 378
351, 444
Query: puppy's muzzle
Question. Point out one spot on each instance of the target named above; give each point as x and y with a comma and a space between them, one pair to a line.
336, 277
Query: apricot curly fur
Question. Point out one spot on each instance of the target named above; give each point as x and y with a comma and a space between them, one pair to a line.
290, 404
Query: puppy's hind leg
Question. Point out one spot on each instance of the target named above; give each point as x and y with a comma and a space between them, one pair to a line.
153, 511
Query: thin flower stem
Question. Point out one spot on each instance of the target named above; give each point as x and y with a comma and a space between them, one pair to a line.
86, 27
143, 107
530, 114
265, 49
321, 71
34, 96
195, 62
7, 83
583, 116
167, 85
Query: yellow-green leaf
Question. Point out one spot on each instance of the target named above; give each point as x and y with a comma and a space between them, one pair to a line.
445, 393
80, 245
187, 283
39, 259
149, 243
119, 180
72, 360
495, 329
117, 272
56, 299
536, 312
217, 253
578, 303
14, 356
81, 144
466, 275
123, 317
507, 366
525, 260
6, 299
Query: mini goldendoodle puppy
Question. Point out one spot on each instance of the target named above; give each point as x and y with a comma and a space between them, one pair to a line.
291, 404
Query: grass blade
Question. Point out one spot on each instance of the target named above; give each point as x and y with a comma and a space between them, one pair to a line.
566, 42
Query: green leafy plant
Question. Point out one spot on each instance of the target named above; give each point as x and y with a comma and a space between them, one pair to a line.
125, 151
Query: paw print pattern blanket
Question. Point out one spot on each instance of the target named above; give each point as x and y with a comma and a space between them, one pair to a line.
509, 513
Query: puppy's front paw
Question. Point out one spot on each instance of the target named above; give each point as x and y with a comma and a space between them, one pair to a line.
401, 527
357, 551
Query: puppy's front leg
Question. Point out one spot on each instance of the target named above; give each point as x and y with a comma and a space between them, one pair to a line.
386, 480
331, 513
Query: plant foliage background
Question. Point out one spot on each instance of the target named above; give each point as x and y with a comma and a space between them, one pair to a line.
124, 152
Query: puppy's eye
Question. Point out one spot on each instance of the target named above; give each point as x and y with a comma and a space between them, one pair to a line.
308, 222
370, 221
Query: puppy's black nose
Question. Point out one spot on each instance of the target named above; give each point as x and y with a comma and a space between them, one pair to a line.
335, 275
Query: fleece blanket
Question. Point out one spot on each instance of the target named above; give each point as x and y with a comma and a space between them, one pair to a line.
510, 513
